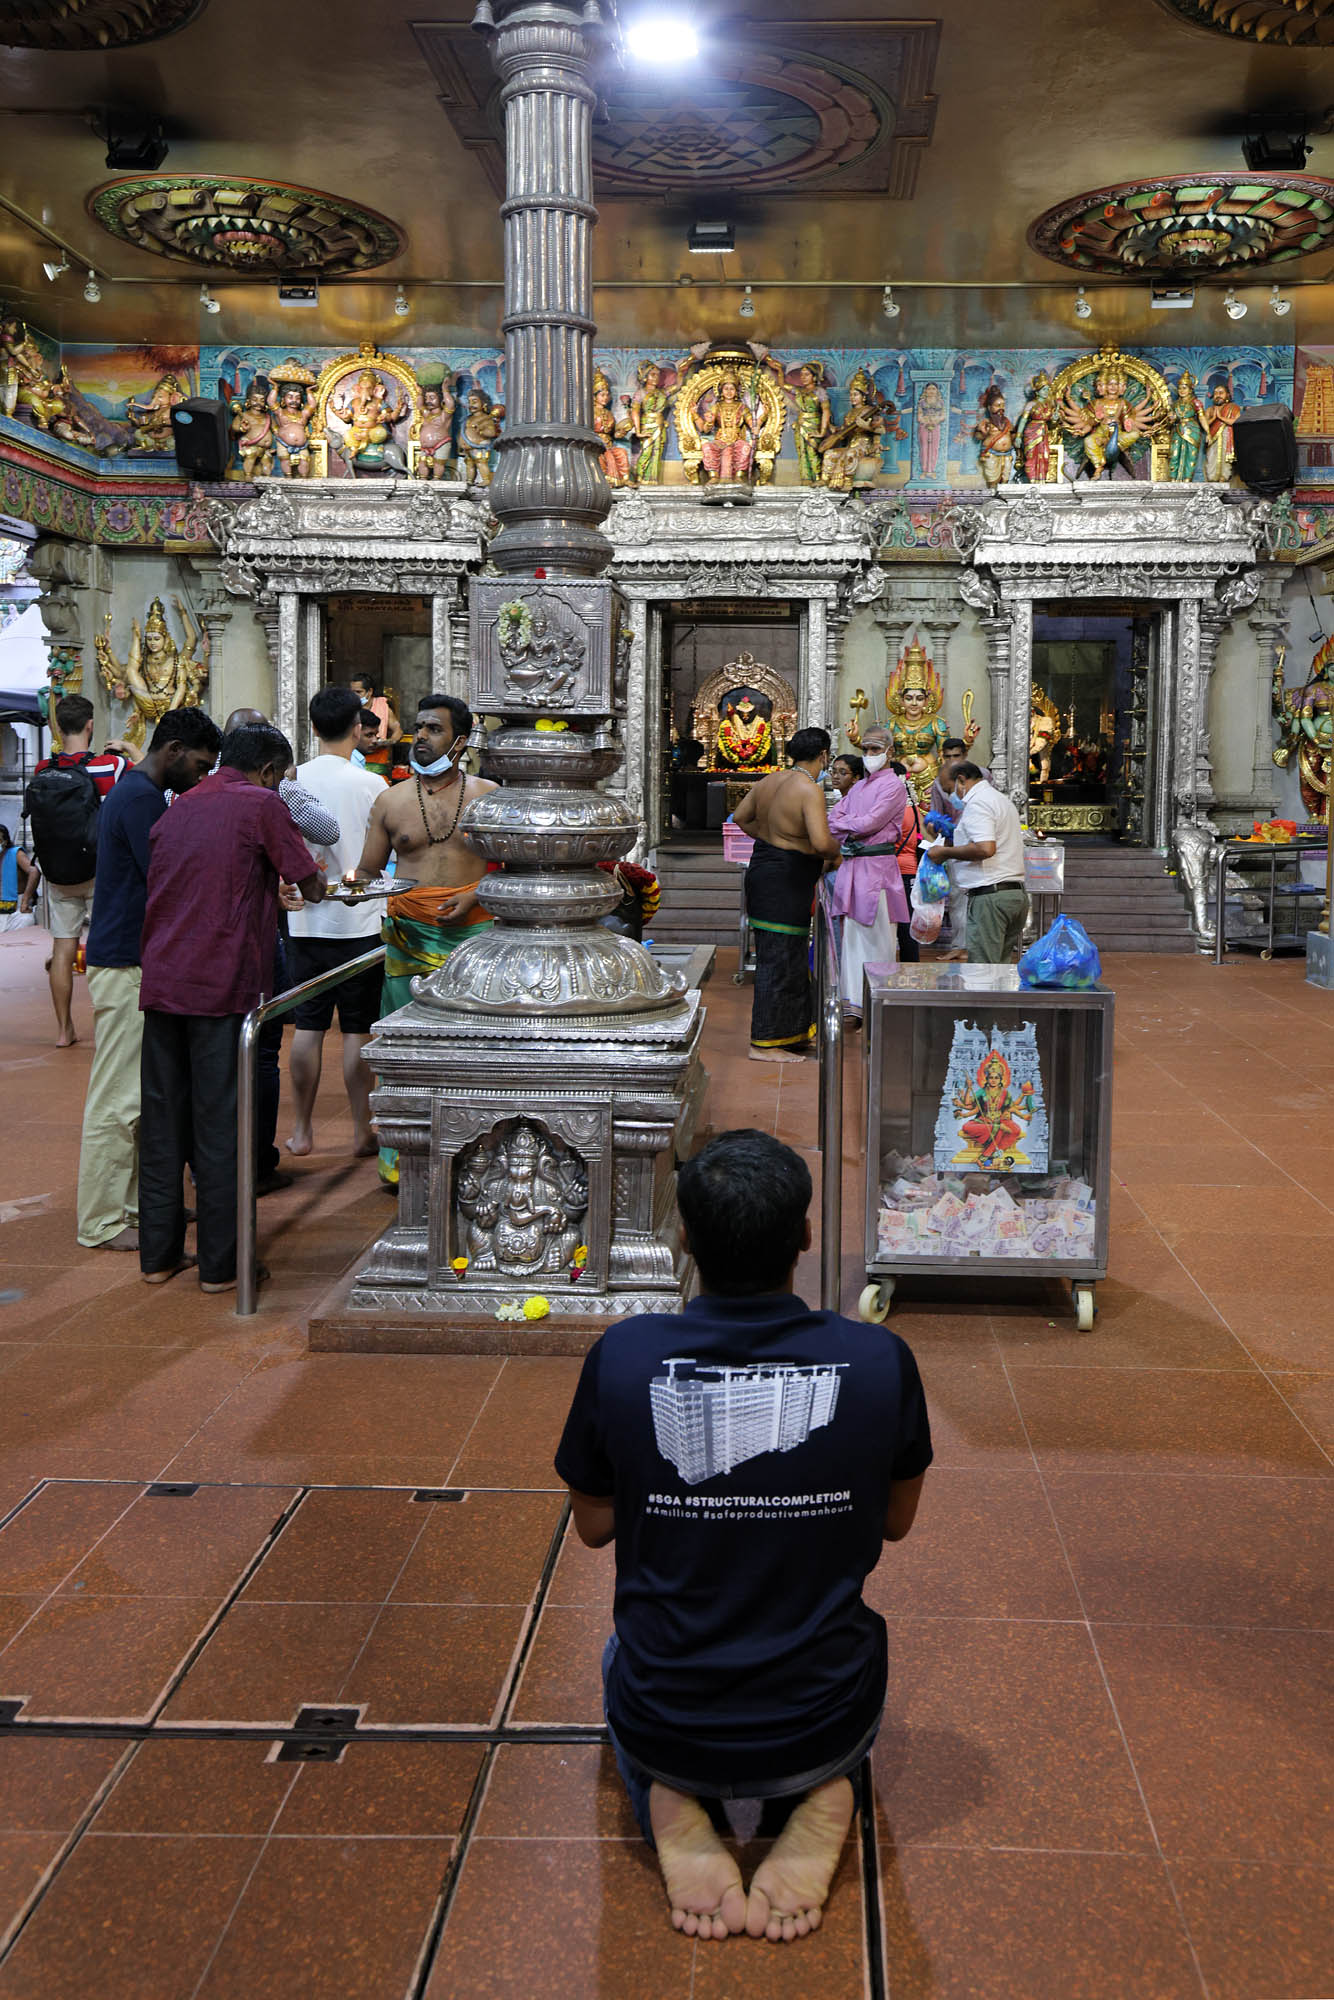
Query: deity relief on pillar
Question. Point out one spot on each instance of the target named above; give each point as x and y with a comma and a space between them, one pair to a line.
729, 420
157, 674
914, 700
610, 429
520, 1199
1305, 718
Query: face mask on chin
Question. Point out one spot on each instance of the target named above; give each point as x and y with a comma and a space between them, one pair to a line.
876, 760
438, 768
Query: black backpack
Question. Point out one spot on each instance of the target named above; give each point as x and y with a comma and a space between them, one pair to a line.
61, 805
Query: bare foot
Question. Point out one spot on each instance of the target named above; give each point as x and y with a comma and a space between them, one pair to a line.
366, 1149
124, 1239
774, 1055
187, 1263
66, 1038
702, 1879
300, 1144
788, 1888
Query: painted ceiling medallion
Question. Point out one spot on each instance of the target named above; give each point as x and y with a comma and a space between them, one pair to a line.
1179, 225
255, 227
91, 24
1299, 23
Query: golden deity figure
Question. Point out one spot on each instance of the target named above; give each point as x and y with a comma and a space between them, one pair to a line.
1044, 733
727, 434
367, 414
648, 422
292, 400
435, 439
914, 699
853, 452
149, 417
158, 675
745, 738
610, 429
25, 386
1111, 428
481, 428
252, 427
811, 419
1305, 717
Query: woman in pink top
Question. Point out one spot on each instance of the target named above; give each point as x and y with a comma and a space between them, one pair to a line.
868, 887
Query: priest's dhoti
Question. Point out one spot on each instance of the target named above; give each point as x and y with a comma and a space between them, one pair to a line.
780, 891
416, 943
866, 944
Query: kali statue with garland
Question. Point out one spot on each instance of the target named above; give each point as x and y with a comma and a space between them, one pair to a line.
914, 699
157, 675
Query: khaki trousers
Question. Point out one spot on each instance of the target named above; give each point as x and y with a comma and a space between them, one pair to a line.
109, 1152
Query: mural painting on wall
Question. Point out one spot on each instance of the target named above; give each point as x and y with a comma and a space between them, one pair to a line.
1313, 408
109, 400
1305, 717
914, 701
156, 674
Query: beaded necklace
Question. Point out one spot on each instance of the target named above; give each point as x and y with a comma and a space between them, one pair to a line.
442, 839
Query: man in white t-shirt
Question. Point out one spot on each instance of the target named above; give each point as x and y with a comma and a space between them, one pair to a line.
322, 936
987, 859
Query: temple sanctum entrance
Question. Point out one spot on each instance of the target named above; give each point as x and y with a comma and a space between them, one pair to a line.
1093, 718
730, 695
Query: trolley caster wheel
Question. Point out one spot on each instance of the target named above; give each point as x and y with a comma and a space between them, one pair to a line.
1084, 1308
875, 1301
738, 979
1265, 957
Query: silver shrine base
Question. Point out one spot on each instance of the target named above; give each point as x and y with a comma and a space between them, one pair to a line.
613, 1102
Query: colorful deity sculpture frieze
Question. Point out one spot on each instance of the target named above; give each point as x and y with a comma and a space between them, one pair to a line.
477, 439
1220, 415
1190, 429
366, 415
435, 438
1033, 431
993, 434
291, 399
811, 418
27, 388
157, 674
1112, 410
1305, 717
730, 414
251, 426
914, 701
852, 452
611, 429
648, 411
149, 417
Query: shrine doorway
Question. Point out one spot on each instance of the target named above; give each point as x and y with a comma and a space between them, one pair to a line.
386, 636
763, 640
1094, 719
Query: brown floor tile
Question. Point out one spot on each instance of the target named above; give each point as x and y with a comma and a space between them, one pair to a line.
1274, 1212
556, 1791
436, 1663
1229, 1733
384, 1790
1259, 1929
562, 1677
972, 1411
198, 1787
181, 1546
1312, 1403
25, 1860
104, 1659
265, 1661
1132, 1329
1228, 1262
987, 1926
119, 1398
1001, 1735
486, 1549
1282, 1332
514, 1439
45, 1541
955, 1563
345, 1547
51, 1295
47, 1781
1200, 1551
1145, 1164
584, 1576
349, 1917
128, 1919
1175, 1421
614, 1936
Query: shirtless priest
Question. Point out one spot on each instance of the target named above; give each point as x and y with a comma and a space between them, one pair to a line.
785, 815
418, 822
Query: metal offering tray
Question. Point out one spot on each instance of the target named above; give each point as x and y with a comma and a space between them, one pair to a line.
367, 892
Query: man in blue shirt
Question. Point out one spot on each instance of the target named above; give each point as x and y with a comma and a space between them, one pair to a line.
181, 752
748, 1458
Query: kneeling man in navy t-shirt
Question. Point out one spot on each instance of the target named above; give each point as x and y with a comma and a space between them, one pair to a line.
748, 1458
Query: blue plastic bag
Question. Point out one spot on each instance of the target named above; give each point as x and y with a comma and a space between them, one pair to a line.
933, 881
940, 823
1063, 956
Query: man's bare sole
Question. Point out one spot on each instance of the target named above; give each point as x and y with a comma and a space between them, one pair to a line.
774, 1055
788, 1889
702, 1879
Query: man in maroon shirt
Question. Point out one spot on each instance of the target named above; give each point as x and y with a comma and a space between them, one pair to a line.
216, 860
71, 903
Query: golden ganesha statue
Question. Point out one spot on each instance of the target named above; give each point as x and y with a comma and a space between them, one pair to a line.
914, 699
1044, 733
157, 675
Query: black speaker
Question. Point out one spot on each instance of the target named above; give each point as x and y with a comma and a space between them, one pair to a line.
203, 443
1266, 449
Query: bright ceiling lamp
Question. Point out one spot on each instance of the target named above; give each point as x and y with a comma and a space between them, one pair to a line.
1234, 307
664, 39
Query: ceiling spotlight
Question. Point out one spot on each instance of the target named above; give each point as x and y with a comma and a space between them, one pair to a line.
207, 300
1278, 305
889, 305
747, 306
1083, 309
711, 238
54, 271
1234, 307
92, 291
666, 39
401, 306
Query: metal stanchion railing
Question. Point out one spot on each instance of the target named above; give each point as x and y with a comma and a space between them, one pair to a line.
829, 987
247, 1282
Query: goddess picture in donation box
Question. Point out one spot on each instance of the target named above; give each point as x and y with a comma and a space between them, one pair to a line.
992, 1116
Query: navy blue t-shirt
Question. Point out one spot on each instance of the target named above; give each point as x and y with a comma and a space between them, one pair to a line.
129, 812
749, 1445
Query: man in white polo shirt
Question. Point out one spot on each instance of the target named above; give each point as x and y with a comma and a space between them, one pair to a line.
987, 859
322, 936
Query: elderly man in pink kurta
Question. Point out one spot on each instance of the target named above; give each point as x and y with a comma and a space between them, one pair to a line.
868, 888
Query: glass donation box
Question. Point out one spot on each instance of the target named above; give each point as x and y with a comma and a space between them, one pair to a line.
988, 1128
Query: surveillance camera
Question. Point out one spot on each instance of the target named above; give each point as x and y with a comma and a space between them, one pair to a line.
207, 300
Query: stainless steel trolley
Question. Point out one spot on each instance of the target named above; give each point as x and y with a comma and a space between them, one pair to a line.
910, 1015
1293, 906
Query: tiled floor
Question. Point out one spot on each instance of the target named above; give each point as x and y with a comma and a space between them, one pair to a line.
1105, 1767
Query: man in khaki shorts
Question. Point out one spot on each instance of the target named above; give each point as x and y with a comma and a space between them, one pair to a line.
61, 852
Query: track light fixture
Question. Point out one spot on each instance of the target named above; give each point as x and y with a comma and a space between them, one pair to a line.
1234, 307
401, 306
747, 306
889, 305
1083, 308
207, 300
1278, 305
54, 271
92, 291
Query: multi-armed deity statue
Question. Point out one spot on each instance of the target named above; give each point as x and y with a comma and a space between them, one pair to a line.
1305, 718
914, 699
729, 420
157, 674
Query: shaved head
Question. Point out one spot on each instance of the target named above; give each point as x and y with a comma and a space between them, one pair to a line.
244, 718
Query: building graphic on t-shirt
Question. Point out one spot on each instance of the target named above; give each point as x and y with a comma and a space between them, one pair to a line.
712, 1418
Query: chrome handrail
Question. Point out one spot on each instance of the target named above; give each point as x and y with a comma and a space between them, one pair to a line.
247, 1281
829, 987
